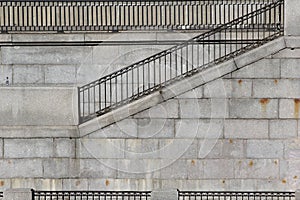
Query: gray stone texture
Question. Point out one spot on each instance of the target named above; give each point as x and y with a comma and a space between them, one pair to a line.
291, 18
199, 128
240, 132
273, 88
246, 129
253, 108
282, 129
21, 168
264, 68
155, 128
289, 109
18, 194
26, 105
28, 148
265, 149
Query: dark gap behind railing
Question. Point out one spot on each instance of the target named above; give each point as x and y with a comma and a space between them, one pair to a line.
1, 195
196, 54
91, 195
109, 15
199, 195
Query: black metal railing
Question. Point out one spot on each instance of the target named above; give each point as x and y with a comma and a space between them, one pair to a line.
192, 56
91, 195
198, 195
110, 15
1, 195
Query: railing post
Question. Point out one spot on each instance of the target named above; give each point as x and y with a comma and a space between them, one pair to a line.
292, 16
297, 195
167, 194
17, 194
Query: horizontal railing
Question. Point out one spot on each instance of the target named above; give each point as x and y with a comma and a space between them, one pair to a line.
186, 59
109, 15
1, 195
91, 195
197, 195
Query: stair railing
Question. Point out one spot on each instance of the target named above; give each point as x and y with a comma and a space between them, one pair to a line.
157, 71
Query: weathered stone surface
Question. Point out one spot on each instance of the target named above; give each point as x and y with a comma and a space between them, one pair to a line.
168, 109
203, 108
28, 148
290, 68
155, 128
37, 131
199, 128
60, 168
195, 93
126, 128
273, 88
257, 169
287, 53
175, 170
98, 168
246, 129
61, 74
25, 106
264, 68
283, 129
292, 149
26, 74
21, 168
46, 55
138, 168
195, 169
64, 147
75, 184
218, 168
170, 194
5, 184
17, 194
5, 71
265, 149
100, 148
291, 27
178, 148
235, 88
289, 108
260, 52
230, 148
142, 148
253, 108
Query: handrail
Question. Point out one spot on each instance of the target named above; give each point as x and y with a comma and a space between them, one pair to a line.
111, 15
243, 195
73, 195
157, 71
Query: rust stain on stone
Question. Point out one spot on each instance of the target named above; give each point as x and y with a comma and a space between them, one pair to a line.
193, 162
264, 103
107, 182
296, 108
230, 141
240, 82
223, 181
251, 163
283, 181
77, 183
295, 177
1, 183
276, 81
275, 162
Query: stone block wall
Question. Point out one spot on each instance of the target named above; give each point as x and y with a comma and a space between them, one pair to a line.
238, 132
